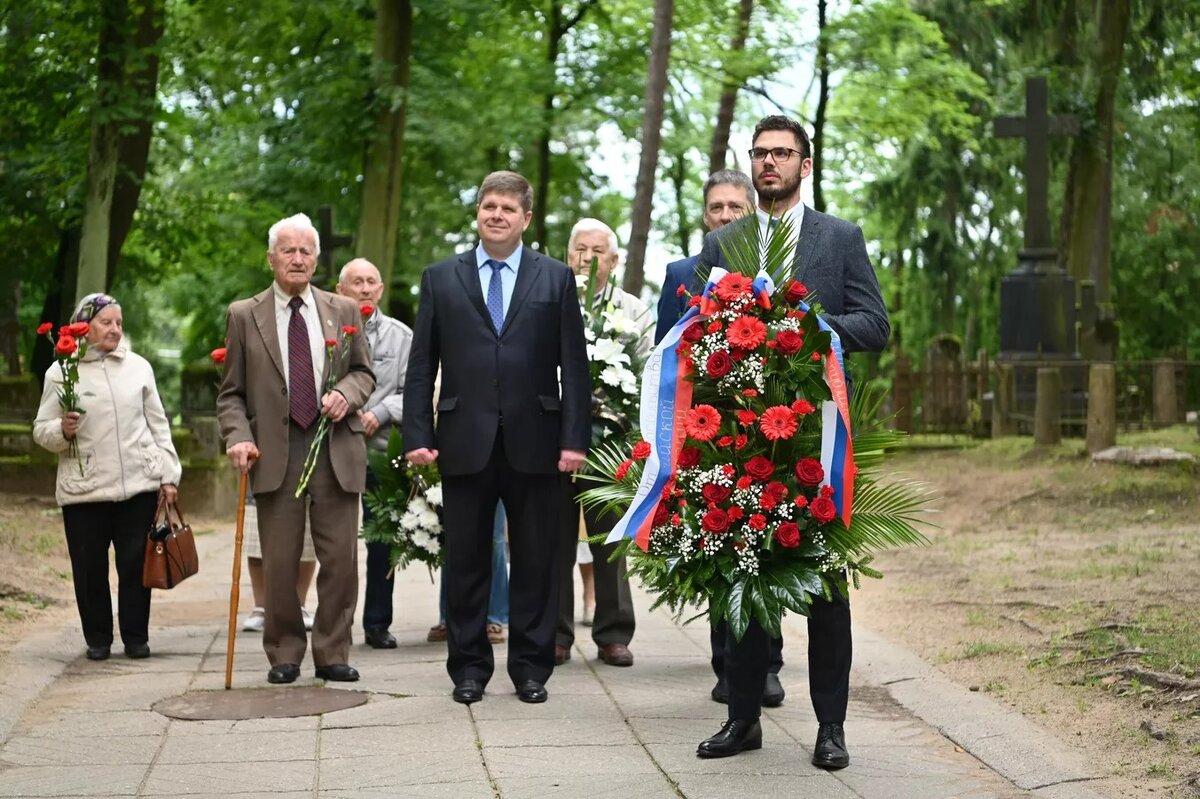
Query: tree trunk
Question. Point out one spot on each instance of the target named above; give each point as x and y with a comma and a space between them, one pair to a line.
379, 217
1087, 222
10, 323
542, 190
729, 89
60, 298
678, 175
643, 197
818, 137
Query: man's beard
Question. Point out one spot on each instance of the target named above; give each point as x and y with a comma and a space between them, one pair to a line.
782, 190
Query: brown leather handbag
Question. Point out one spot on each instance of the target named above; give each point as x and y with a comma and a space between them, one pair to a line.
170, 549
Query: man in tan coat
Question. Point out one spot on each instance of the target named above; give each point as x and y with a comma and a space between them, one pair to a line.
279, 380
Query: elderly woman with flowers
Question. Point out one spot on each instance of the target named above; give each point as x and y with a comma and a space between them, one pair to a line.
101, 413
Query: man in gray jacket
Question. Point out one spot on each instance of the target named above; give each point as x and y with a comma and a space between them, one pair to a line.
388, 341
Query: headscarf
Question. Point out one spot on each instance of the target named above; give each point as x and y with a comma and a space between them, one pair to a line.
91, 305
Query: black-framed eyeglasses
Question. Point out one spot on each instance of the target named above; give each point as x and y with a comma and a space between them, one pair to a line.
779, 154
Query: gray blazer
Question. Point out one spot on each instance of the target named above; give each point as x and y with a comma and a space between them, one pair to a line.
831, 260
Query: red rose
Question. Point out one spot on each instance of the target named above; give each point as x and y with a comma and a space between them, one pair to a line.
693, 332
778, 422
661, 515
366, 309
349, 330
724, 441
715, 521
689, 457
822, 509
718, 364
715, 494
760, 468
641, 450
79, 329
702, 422
680, 290
736, 513
796, 291
802, 407
746, 418
768, 501
757, 521
675, 519
44, 328
777, 489
789, 342
744, 482
623, 469
809, 471
65, 346
788, 535
218, 355
746, 332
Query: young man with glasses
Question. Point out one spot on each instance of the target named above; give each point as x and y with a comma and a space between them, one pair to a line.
831, 260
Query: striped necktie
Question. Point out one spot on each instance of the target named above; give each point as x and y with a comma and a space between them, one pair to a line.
302, 386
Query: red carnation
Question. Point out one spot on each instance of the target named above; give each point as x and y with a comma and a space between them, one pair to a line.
757, 521
732, 286
713, 326
661, 515
218, 355
778, 422
777, 489
64, 330
44, 328
738, 354
744, 481
802, 407
746, 332
641, 450
715, 521
788, 535
767, 501
715, 494
680, 290
736, 513
750, 392
349, 330
694, 301
718, 364
330, 342
366, 309
724, 441
800, 501
79, 329
760, 468
816, 356
789, 342
796, 291
702, 422
728, 470
623, 469
740, 442
689, 457
826, 491
65, 346
693, 332
809, 471
822, 509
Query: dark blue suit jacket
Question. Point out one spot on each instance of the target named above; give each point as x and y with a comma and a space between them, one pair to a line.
671, 306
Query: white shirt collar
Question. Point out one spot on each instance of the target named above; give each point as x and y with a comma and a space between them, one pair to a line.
283, 299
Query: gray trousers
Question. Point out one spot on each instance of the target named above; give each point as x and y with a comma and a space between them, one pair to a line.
613, 622
333, 519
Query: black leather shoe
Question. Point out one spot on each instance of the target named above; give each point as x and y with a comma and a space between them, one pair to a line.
98, 652
830, 750
736, 735
773, 693
380, 638
532, 691
468, 691
720, 692
337, 672
283, 673
137, 651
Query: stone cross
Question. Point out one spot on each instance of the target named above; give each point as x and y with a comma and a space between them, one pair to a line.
1036, 127
330, 241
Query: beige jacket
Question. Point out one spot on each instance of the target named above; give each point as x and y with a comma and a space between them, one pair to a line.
124, 437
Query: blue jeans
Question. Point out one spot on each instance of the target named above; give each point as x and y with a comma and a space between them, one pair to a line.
498, 600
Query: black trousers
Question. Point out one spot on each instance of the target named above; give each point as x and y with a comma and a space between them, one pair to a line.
614, 621
829, 655
92, 527
716, 637
377, 599
532, 502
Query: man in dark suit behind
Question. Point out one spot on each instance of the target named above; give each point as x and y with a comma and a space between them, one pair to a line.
503, 324
272, 395
831, 260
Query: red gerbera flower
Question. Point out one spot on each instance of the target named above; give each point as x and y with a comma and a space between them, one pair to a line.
702, 422
746, 332
778, 423
733, 286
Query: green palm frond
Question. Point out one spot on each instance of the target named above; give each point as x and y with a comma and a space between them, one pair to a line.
886, 515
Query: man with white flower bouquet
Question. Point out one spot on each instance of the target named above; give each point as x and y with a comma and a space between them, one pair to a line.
617, 326
757, 491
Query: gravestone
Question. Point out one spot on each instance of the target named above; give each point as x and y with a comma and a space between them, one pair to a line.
330, 241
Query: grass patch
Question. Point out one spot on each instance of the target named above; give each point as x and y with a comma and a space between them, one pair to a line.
980, 649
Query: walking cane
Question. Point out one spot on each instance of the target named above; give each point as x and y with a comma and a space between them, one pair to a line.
235, 588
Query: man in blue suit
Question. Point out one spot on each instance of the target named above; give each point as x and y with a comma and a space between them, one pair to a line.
728, 194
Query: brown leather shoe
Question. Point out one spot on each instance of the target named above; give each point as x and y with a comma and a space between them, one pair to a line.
616, 655
561, 655
436, 633
495, 634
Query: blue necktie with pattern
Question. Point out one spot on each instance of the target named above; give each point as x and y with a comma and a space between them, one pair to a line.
495, 297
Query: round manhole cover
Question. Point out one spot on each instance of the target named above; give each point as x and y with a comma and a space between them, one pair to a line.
258, 703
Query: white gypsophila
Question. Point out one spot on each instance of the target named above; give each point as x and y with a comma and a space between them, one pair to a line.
609, 351
433, 495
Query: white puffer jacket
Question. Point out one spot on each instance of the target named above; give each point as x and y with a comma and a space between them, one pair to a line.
124, 437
